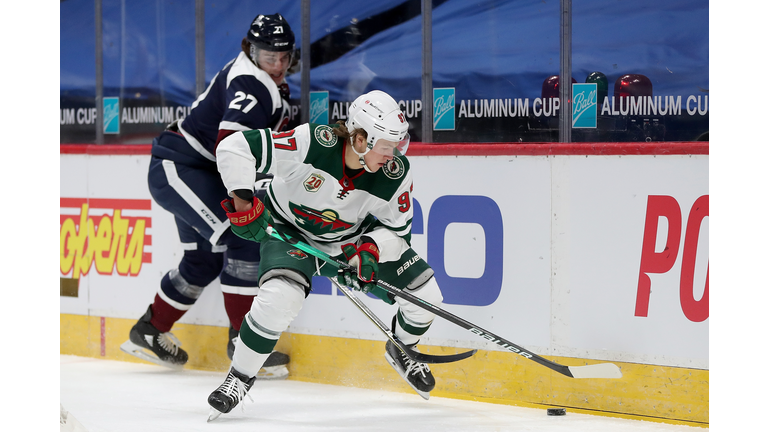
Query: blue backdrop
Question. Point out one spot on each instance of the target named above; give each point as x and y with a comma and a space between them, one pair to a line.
484, 49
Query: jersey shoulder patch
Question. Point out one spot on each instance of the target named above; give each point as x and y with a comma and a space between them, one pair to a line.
324, 135
386, 181
324, 150
396, 168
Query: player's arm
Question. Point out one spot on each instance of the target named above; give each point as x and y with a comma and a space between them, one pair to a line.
393, 238
248, 106
238, 157
242, 204
242, 155
237, 163
223, 133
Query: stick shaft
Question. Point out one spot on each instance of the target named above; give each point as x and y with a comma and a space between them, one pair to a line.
413, 355
590, 371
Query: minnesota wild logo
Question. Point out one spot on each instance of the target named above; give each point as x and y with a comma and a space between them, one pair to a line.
318, 222
325, 136
298, 254
394, 169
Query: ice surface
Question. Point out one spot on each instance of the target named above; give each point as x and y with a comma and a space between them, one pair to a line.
106, 395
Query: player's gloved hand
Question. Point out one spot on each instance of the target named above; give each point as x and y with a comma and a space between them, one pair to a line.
250, 224
365, 260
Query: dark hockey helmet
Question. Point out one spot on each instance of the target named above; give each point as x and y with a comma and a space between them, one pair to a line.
271, 33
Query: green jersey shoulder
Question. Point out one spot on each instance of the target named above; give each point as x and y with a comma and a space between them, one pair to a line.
326, 152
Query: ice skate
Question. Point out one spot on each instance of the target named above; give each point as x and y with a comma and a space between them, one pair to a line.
416, 374
234, 336
276, 366
229, 394
148, 343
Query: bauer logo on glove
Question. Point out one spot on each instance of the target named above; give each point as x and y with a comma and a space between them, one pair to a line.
249, 216
249, 224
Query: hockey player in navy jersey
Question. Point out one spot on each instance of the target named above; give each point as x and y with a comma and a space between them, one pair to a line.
345, 190
248, 93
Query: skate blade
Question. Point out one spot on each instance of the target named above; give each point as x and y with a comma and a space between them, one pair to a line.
131, 348
213, 415
272, 373
68, 422
401, 372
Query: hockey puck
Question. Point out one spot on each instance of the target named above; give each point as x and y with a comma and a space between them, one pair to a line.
555, 411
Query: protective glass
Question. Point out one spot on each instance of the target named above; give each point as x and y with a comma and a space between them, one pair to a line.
392, 148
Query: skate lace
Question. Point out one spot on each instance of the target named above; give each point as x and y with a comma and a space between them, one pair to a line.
235, 388
169, 342
412, 366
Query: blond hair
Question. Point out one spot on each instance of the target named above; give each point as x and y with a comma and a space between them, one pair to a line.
341, 131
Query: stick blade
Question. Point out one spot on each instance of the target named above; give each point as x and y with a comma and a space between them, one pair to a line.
601, 370
434, 359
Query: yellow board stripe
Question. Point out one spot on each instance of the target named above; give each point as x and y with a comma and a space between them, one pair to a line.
646, 392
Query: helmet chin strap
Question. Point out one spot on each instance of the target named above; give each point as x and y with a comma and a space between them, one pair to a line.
360, 156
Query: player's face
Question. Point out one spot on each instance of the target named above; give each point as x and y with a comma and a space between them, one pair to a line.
275, 64
375, 161
381, 153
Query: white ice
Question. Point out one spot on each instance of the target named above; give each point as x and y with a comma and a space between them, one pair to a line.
107, 395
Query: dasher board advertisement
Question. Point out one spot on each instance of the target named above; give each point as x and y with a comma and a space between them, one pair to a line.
598, 257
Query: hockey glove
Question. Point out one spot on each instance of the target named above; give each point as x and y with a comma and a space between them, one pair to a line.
250, 224
365, 261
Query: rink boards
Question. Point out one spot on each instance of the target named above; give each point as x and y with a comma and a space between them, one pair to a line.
581, 258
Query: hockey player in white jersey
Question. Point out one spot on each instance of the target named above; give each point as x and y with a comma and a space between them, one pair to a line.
345, 190
249, 92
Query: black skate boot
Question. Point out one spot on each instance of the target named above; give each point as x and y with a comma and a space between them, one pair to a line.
416, 374
148, 343
229, 394
276, 366
234, 335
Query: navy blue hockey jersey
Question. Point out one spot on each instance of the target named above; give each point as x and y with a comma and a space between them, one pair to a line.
240, 97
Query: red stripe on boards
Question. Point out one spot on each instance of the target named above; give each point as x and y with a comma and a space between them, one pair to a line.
468, 149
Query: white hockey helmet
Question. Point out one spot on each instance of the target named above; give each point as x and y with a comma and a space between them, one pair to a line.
378, 114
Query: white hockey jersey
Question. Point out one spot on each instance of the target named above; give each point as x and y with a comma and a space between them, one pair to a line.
310, 190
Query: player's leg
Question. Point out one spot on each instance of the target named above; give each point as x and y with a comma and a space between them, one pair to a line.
411, 322
179, 289
284, 284
240, 285
189, 193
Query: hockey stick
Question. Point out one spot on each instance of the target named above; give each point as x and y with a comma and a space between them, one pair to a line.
600, 370
413, 355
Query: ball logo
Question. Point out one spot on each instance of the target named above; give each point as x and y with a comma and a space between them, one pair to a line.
394, 169
584, 105
318, 107
111, 115
444, 109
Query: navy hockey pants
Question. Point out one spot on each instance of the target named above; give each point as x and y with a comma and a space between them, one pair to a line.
193, 195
